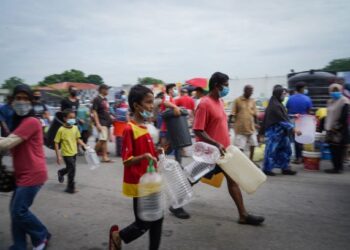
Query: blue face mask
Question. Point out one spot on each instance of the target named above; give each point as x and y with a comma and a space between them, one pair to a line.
71, 122
224, 91
146, 114
306, 91
336, 95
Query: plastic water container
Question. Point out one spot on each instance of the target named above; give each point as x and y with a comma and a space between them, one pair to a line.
154, 132
311, 160
196, 170
178, 188
204, 152
150, 203
177, 126
306, 124
241, 169
91, 158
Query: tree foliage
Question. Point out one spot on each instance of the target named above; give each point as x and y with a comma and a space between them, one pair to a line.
342, 64
95, 79
12, 82
149, 81
72, 75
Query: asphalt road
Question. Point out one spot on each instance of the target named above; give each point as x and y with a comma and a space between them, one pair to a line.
308, 211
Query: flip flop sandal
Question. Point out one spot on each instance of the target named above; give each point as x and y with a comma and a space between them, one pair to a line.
252, 220
108, 161
114, 243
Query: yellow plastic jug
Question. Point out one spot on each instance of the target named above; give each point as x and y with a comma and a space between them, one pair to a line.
241, 169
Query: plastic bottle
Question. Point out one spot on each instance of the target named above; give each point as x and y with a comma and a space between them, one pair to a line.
91, 158
241, 169
196, 170
178, 188
204, 152
150, 202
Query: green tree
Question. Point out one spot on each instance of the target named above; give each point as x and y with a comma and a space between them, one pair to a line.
95, 79
342, 64
12, 82
72, 75
149, 81
51, 79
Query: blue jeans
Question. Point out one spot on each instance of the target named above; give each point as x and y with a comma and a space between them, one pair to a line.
23, 221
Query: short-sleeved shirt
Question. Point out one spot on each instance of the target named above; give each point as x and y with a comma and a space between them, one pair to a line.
136, 141
210, 117
28, 157
244, 111
68, 138
101, 106
66, 103
299, 104
185, 101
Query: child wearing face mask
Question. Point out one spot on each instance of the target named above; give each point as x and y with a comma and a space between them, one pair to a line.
68, 136
137, 150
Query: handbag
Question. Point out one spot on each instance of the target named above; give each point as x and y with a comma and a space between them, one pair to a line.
7, 180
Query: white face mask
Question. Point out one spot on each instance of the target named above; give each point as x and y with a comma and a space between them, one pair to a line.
22, 108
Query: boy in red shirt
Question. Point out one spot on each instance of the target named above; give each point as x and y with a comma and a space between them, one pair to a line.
137, 150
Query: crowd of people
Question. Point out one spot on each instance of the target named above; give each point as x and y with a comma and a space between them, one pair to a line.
24, 121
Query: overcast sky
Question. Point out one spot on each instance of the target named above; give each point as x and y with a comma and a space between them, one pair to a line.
171, 40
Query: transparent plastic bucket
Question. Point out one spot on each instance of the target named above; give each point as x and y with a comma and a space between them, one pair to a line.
178, 188
306, 124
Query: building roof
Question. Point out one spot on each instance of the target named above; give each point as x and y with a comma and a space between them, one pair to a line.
66, 85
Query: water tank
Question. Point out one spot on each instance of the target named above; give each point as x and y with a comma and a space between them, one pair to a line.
317, 82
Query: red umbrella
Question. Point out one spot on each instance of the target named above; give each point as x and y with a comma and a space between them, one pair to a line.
198, 82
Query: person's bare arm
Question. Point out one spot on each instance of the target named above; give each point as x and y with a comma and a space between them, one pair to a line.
97, 120
206, 138
58, 154
10, 142
176, 109
81, 143
137, 159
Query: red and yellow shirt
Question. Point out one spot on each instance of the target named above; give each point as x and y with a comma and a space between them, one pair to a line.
136, 141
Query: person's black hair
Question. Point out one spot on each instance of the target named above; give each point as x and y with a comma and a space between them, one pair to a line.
299, 86
217, 78
277, 86
136, 95
66, 112
70, 88
160, 95
22, 88
169, 86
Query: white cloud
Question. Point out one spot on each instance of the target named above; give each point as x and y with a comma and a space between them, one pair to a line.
172, 40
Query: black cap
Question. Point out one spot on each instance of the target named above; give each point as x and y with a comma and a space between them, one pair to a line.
23, 88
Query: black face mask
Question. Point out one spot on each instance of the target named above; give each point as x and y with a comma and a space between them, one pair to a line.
73, 93
37, 98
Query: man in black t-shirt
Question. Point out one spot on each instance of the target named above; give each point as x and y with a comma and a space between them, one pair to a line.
103, 121
72, 101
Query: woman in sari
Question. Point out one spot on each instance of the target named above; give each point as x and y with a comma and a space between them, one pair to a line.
336, 125
278, 131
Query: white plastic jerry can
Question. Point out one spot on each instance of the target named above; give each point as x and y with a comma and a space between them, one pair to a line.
241, 169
